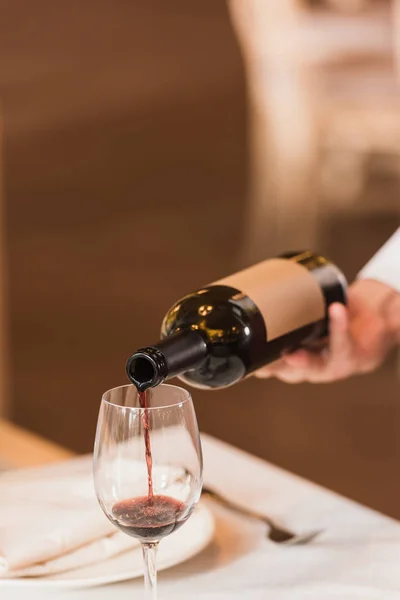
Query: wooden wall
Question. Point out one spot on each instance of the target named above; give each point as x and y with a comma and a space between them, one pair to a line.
125, 176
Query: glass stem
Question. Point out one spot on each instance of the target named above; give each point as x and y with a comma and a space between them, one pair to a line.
150, 569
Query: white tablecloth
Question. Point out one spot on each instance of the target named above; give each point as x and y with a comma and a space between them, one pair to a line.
357, 556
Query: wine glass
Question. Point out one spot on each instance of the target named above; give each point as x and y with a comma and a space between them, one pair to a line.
148, 465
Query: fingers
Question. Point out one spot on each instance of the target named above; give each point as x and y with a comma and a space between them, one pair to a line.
359, 340
335, 363
340, 343
326, 365
299, 359
295, 367
281, 370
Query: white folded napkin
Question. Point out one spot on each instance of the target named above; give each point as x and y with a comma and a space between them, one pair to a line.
50, 521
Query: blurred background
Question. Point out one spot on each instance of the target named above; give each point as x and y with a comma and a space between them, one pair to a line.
148, 148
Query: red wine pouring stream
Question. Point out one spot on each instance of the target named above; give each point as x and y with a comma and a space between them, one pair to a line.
147, 442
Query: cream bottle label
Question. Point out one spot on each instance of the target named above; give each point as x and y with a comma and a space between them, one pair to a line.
285, 293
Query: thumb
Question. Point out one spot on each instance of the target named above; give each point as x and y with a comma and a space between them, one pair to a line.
339, 338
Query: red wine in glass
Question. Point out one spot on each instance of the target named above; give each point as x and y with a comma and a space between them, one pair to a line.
149, 517
149, 520
149, 458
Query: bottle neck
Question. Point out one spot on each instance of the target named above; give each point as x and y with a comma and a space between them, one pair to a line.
150, 366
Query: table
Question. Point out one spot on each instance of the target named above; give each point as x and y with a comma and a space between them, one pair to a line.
21, 448
357, 556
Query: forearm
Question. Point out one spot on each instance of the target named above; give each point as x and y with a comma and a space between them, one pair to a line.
378, 283
384, 266
380, 298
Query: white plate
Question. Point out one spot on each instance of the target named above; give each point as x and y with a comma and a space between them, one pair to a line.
185, 543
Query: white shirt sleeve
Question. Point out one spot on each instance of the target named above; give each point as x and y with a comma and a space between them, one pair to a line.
385, 265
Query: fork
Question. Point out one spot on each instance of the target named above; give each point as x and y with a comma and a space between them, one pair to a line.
275, 533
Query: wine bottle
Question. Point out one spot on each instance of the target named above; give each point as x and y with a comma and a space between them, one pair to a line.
218, 335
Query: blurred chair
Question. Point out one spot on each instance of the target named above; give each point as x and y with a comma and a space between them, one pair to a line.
360, 118
283, 137
324, 110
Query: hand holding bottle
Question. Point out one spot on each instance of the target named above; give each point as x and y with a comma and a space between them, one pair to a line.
360, 338
223, 332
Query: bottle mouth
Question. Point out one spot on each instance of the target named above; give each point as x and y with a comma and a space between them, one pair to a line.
142, 369
146, 368
177, 353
